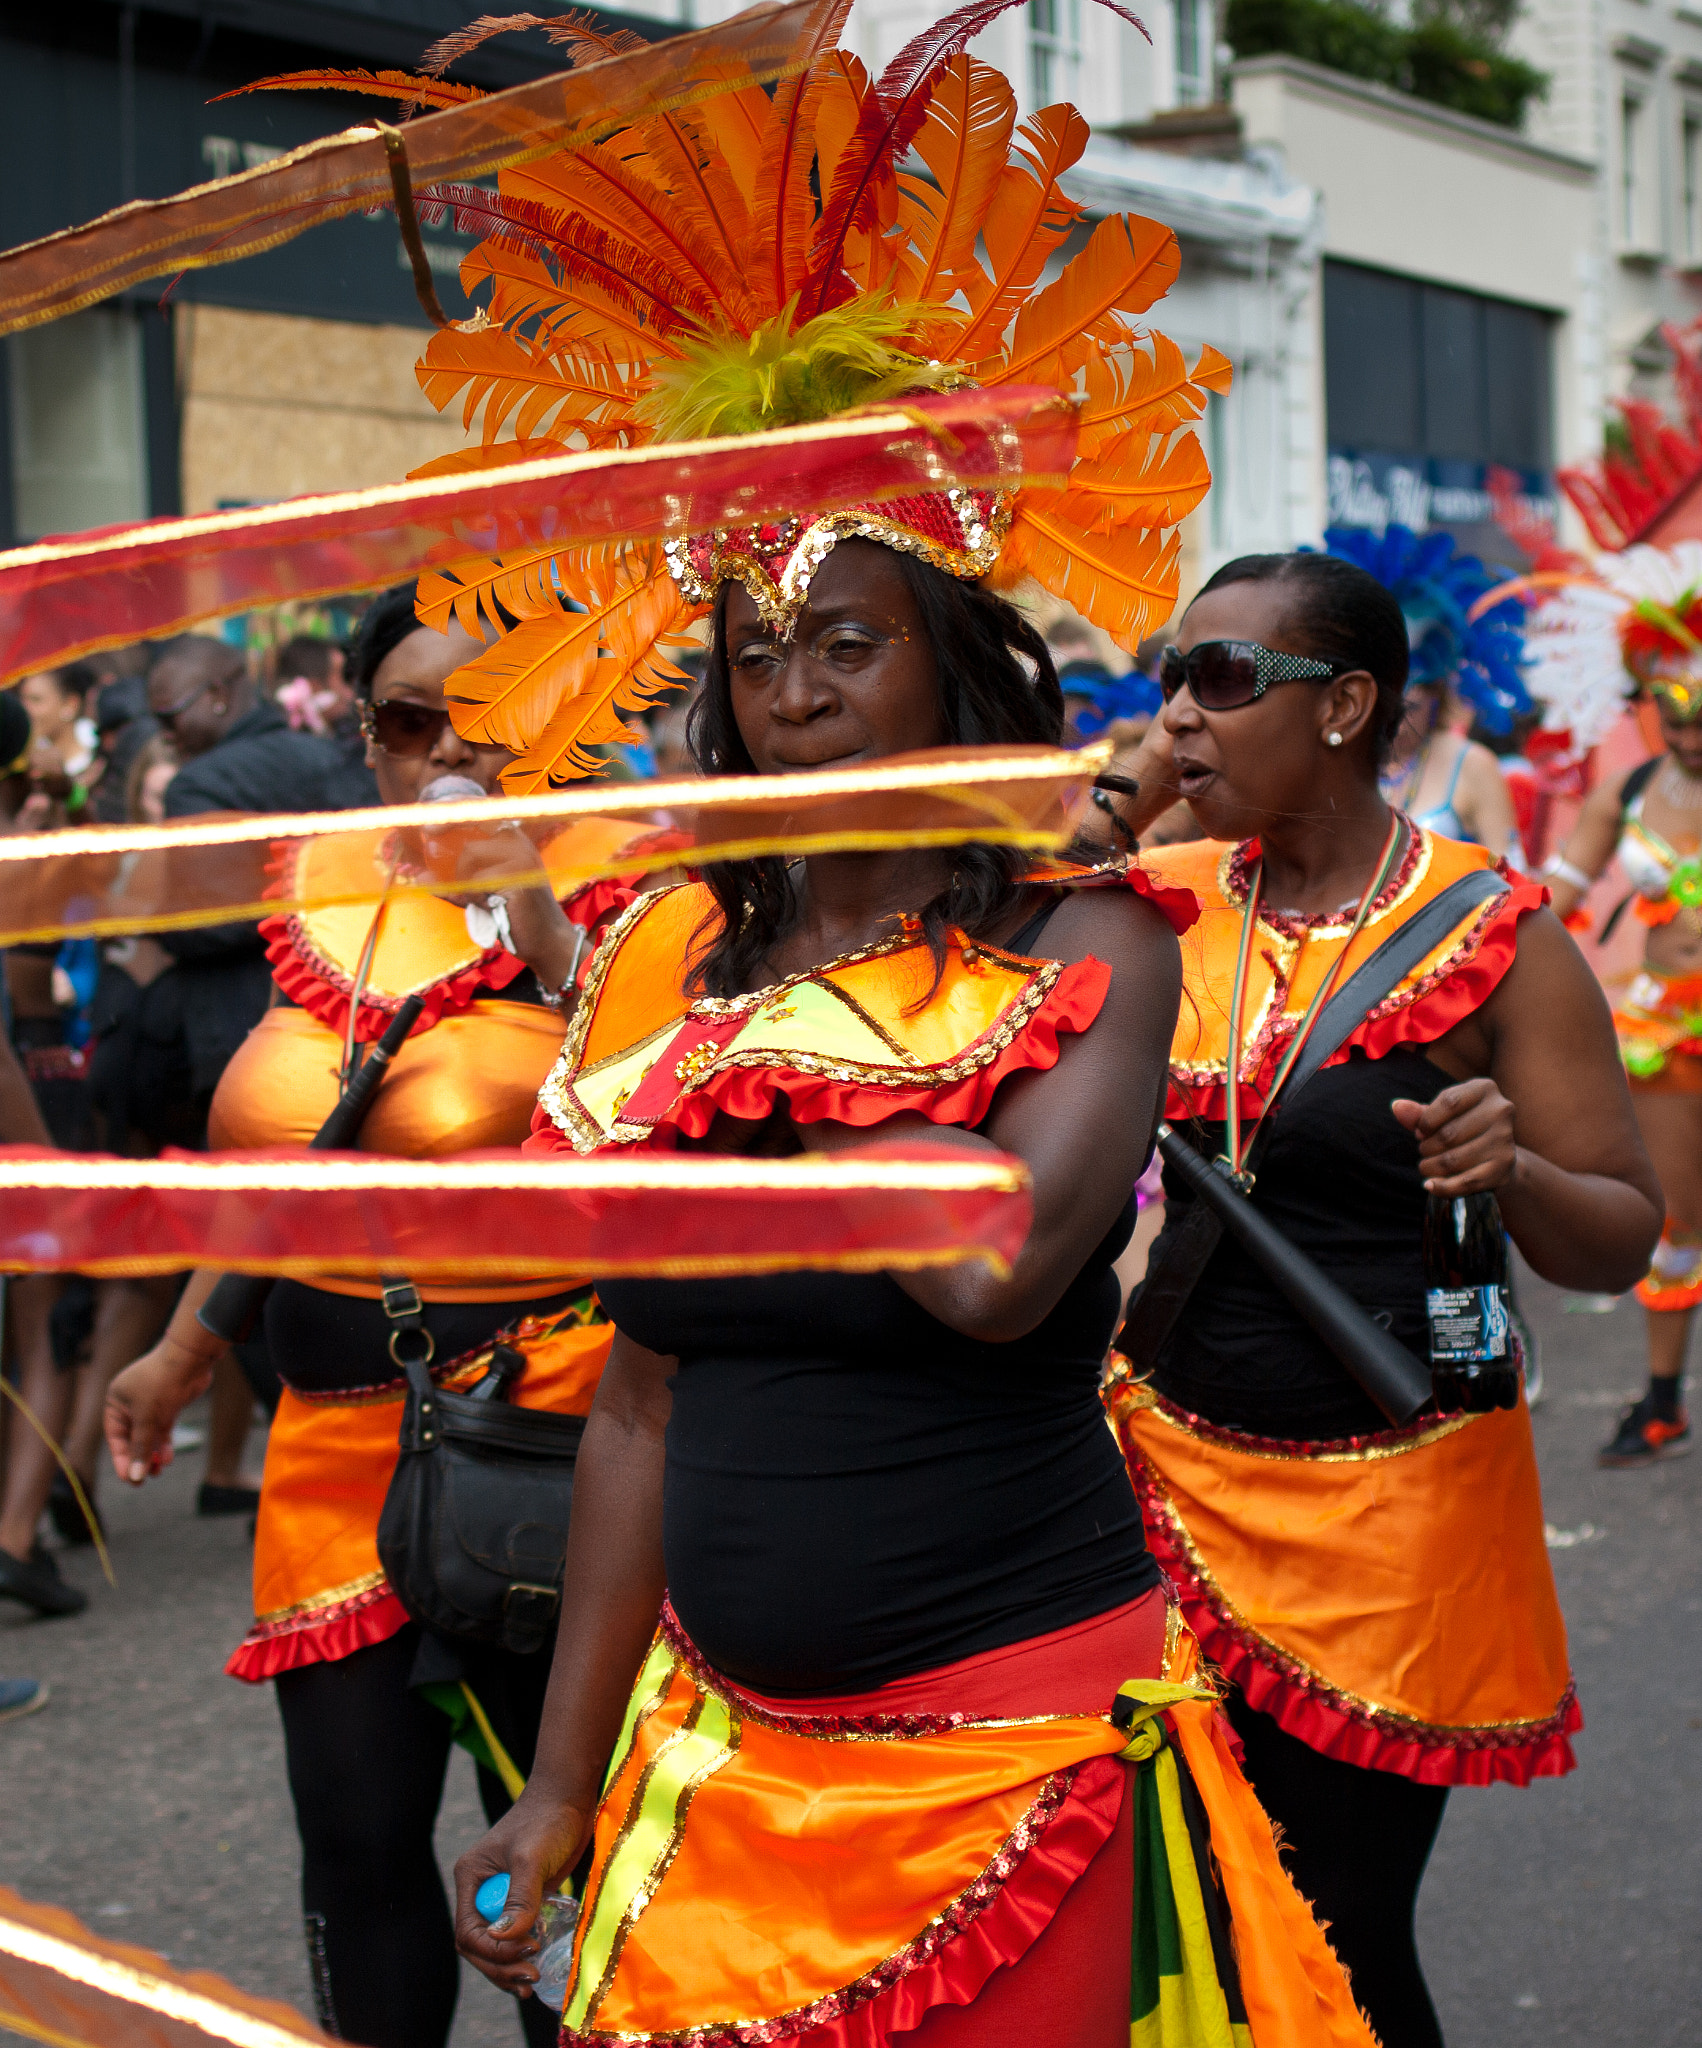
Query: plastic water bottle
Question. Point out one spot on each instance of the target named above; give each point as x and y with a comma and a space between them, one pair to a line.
558, 1916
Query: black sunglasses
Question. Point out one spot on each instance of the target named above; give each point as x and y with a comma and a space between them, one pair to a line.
173, 712
400, 728
1222, 675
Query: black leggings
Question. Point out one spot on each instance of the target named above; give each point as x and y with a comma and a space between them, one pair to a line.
1357, 1845
367, 1759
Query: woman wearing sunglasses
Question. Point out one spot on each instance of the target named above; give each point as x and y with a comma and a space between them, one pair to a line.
1380, 1598
367, 1753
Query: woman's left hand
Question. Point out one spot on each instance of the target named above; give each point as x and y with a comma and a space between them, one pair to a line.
1465, 1138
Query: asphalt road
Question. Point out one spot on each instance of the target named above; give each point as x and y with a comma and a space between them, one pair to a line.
149, 1797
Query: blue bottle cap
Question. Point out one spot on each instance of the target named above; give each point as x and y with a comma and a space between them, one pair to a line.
492, 1896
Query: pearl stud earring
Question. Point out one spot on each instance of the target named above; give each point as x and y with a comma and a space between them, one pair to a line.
1332, 739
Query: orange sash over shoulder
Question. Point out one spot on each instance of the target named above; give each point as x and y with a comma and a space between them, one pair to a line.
1388, 1600
858, 1039
319, 1592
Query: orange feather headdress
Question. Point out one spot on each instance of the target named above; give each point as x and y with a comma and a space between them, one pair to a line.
756, 262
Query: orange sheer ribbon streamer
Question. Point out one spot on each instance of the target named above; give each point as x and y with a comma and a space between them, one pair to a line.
350, 172
61, 1984
63, 598
98, 881
486, 1215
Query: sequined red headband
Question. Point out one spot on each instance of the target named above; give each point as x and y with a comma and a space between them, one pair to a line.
959, 531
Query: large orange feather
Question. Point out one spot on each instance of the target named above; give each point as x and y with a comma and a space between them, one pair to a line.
1029, 218
488, 455
1128, 262
734, 120
1160, 490
616, 195
964, 141
1146, 390
1124, 581
785, 205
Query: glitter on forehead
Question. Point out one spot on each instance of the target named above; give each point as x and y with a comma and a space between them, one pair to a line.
957, 531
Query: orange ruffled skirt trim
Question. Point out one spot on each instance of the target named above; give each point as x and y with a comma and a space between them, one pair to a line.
1387, 1600
928, 1860
319, 1591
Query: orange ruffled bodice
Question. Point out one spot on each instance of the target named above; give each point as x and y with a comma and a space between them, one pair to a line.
1291, 957
858, 1039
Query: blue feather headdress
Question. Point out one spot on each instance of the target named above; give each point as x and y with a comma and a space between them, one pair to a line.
1436, 589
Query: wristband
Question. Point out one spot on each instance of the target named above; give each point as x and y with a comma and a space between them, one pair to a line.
1559, 869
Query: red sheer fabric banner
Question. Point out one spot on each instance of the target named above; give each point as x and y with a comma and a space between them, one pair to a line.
498, 1215
60, 1983
350, 172
73, 596
98, 881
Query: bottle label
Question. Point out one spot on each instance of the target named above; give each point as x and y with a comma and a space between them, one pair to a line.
1467, 1324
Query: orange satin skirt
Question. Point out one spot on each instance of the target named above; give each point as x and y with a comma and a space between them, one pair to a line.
1387, 1600
319, 1591
946, 1861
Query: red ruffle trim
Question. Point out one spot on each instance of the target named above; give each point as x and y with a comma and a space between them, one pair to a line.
323, 991
1335, 1726
968, 1942
1075, 999
354, 1625
1180, 908
1444, 1000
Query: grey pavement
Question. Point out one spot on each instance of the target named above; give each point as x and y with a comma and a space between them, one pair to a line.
149, 1797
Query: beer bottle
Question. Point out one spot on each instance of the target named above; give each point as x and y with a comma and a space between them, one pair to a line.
1472, 1365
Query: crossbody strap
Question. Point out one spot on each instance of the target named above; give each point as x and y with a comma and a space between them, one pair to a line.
1164, 1293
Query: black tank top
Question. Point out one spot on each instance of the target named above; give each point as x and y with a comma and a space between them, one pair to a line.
1339, 1179
855, 1492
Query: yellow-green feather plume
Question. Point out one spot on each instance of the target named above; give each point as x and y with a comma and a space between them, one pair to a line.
736, 384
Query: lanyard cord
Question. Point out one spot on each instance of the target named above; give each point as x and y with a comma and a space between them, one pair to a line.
1235, 1155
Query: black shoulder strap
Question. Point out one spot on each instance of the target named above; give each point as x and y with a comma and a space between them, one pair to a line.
1165, 1291
1638, 780
1384, 971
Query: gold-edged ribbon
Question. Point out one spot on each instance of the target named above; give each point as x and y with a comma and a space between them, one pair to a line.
100, 881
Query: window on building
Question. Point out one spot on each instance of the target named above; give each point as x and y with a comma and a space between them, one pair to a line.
1054, 49
1631, 200
1690, 174
1436, 377
1193, 20
79, 424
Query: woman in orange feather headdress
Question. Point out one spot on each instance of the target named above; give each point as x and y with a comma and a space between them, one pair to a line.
918, 1746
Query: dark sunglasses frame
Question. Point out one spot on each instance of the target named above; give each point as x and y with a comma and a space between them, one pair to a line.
389, 720
173, 712
1248, 662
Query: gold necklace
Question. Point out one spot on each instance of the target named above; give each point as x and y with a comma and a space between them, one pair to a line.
1235, 1152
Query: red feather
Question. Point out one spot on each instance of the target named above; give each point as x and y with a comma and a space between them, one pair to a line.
783, 201
891, 118
460, 41
577, 30
383, 85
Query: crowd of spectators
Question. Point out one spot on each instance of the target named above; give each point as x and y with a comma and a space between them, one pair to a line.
117, 1045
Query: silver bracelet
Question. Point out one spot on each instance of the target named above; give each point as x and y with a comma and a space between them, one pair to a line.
1558, 868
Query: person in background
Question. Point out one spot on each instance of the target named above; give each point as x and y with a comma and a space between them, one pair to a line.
63, 754
1445, 781
28, 1573
238, 754
309, 684
124, 726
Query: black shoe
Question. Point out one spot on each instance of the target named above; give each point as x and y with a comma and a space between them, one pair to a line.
36, 1582
1644, 1437
67, 1517
227, 1500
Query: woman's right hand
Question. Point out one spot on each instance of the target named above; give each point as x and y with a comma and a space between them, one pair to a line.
537, 1842
144, 1402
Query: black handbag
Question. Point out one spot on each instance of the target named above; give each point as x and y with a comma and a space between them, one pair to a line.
473, 1536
